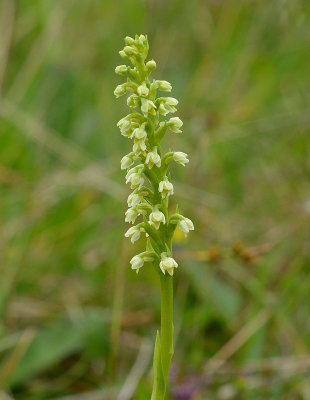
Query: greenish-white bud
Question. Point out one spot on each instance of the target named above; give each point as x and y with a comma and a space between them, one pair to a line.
167, 264
143, 91
125, 126
129, 40
129, 51
156, 218
127, 161
142, 40
122, 54
121, 70
120, 90
165, 188
133, 101
164, 86
151, 65
175, 124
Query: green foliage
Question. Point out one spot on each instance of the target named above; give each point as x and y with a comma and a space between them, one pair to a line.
241, 72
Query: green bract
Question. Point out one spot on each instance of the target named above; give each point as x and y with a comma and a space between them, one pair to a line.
146, 125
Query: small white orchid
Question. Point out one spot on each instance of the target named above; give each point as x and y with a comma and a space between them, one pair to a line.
133, 101
184, 224
165, 188
124, 126
167, 264
120, 90
140, 132
143, 90
164, 86
138, 261
148, 107
167, 105
136, 180
139, 146
153, 158
156, 218
134, 233
180, 158
175, 124
131, 215
133, 199
127, 160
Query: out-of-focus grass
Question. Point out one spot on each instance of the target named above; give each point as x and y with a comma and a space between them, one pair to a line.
75, 321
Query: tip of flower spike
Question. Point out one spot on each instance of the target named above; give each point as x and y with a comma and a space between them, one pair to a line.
151, 65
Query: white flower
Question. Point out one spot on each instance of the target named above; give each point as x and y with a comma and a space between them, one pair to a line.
185, 224
153, 158
165, 188
138, 260
140, 132
133, 199
120, 90
125, 126
136, 180
139, 146
135, 177
137, 169
175, 124
180, 158
156, 218
167, 105
134, 233
167, 264
127, 161
164, 86
131, 215
147, 107
143, 91
136, 263
121, 70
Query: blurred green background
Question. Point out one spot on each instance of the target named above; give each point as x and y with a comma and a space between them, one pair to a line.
76, 322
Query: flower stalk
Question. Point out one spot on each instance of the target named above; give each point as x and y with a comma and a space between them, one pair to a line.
148, 176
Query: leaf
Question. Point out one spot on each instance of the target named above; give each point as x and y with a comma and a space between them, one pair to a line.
159, 388
56, 342
212, 290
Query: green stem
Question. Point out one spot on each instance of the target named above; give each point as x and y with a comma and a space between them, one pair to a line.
166, 333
